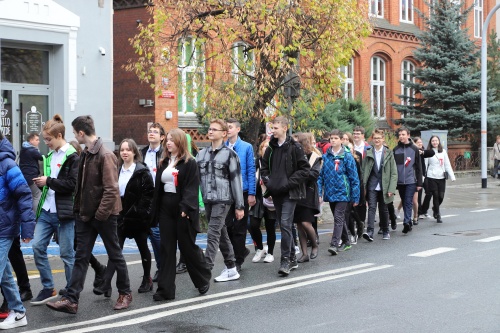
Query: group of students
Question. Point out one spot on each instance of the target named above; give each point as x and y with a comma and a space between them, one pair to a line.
157, 193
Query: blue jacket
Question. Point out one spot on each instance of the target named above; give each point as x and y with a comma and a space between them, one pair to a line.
28, 162
341, 183
16, 206
244, 151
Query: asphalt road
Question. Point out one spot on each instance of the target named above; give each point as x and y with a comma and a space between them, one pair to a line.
438, 278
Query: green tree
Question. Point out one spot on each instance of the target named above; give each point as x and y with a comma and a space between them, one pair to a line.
252, 50
447, 86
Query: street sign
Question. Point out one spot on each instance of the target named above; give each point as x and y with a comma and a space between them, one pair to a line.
167, 94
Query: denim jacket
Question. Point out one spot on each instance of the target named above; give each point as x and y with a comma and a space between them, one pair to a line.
220, 176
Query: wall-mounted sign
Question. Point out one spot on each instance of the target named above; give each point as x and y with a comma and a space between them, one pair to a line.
167, 94
33, 121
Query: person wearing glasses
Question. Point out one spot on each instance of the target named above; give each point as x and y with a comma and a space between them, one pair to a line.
151, 156
221, 187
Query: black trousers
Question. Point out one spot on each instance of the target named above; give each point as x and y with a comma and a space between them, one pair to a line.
270, 224
237, 231
86, 233
436, 190
176, 229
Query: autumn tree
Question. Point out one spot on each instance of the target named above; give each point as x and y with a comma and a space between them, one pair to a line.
242, 53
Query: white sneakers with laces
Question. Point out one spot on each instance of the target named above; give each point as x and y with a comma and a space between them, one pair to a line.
14, 320
259, 254
228, 274
269, 258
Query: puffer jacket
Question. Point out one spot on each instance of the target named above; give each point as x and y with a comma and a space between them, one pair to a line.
97, 194
63, 185
389, 172
16, 206
338, 180
136, 202
220, 176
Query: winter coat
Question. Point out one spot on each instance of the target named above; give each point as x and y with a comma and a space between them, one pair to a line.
220, 176
63, 185
28, 162
97, 194
312, 195
16, 205
438, 164
496, 151
408, 164
188, 184
338, 180
285, 169
389, 172
244, 151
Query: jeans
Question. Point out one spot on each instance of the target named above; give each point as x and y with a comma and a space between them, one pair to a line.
17, 261
340, 226
495, 168
154, 237
217, 236
285, 209
9, 287
47, 224
86, 233
375, 197
406, 193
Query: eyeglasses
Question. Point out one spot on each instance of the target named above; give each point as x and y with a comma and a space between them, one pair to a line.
153, 132
211, 129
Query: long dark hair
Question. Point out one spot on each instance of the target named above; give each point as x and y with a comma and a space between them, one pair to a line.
440, 147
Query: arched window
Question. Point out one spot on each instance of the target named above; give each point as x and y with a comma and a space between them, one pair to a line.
407, 70
348, 86
191, 73
377, 83
242, 62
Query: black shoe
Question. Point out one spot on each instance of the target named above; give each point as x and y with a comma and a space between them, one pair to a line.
293, 263
284, 267
26, 295
238, 267
160, 297
104, 289
380, 232
63, 292
333, 250
439, 220
99, 276
394, 225
181, 268
406, 228
368, 236
155, 277
146, 285
203, 290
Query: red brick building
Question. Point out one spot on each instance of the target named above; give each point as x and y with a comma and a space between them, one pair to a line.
374, 72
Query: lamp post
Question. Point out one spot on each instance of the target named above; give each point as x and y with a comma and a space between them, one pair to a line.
484, 93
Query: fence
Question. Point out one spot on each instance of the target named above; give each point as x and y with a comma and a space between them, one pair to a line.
465, 161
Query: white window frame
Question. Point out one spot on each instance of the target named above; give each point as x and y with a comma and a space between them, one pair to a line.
348, 79
184, 68
406, 15
236, 66
378, 76
407, 67
478, 18
376, 8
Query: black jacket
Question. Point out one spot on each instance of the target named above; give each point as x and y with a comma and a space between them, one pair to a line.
426, 154
136, 202
188, 185
285, 169
64, 187
29, 158
312, 195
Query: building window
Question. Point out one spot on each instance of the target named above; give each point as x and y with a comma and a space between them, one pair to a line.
377, 84
377, 8
406, 11
242, 62
348, 79
191, 73
478, 18
407, 71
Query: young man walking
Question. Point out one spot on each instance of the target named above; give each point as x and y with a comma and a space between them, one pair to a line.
97, 205
16, 213
380, 178
338, 184
237, 229
151, 156
409, 168
221, 187
284, 171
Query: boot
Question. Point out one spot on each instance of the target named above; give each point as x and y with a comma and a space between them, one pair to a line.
146, 285
99, 276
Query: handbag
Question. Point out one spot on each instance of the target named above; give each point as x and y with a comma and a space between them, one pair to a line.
446, 176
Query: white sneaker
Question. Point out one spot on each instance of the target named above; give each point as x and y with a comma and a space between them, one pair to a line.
297, 250
14, 320
228, 274
269, 258
398, 214
258, 255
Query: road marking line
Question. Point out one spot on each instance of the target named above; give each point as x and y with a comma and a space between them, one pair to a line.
432, 252
203, 298
482, 210
445, 216
266, 292
487, 240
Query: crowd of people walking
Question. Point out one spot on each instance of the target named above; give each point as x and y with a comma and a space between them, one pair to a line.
157, 193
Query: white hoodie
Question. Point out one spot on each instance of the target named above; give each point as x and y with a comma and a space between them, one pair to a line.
438, 164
